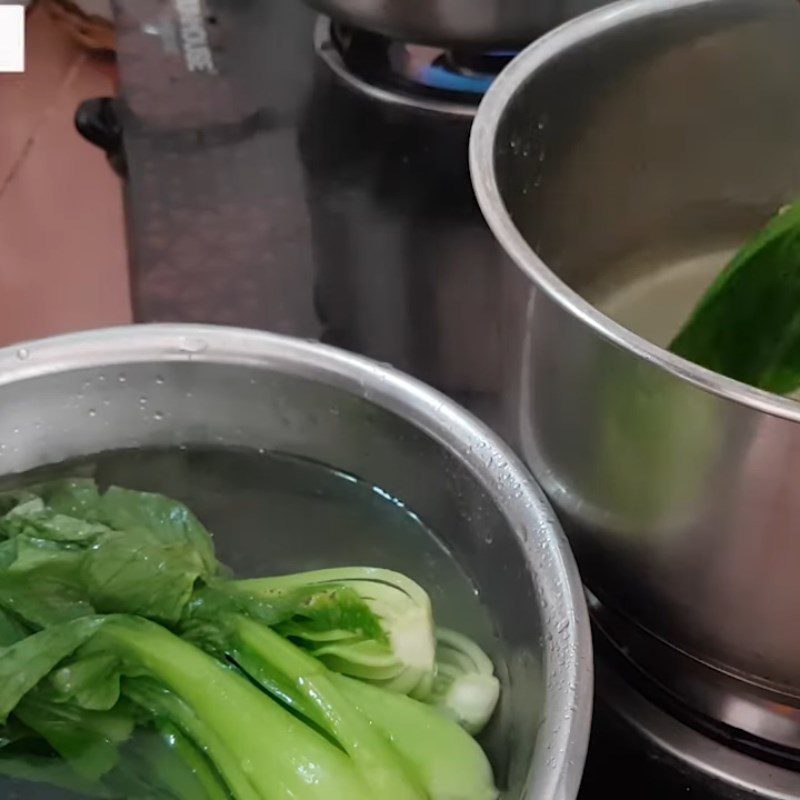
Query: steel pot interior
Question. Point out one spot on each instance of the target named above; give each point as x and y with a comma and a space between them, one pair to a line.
602, 143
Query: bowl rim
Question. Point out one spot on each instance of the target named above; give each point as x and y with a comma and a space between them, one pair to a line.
482, 147
557, 766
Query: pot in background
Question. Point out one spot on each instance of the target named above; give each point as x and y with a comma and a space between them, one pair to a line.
405, 268
179, 390
455, 23
646, 133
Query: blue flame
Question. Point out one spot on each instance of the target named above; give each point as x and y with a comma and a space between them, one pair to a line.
441, 78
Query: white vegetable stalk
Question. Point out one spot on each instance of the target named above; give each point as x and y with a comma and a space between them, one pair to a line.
465, 687
403, 661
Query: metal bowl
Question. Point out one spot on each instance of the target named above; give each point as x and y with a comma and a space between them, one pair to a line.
640, 134
189, 387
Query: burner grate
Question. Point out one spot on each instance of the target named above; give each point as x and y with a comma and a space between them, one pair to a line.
419, 74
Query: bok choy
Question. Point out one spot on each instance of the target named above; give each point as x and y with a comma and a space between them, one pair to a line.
132, 665
747, 324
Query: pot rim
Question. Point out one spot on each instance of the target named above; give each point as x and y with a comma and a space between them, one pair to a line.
558, 762
482, 147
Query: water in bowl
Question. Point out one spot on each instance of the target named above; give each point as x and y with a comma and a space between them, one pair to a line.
272, 513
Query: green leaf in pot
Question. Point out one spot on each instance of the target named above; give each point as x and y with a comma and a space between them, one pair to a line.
40, 582
373, 624
134, 572
747, 325
134, 710
49, 770
66, 550
88, 740
25, 662
170, 522
11, 629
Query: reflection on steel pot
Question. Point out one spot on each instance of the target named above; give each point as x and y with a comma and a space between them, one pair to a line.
637, 137
455, 22
406, 270
247, 392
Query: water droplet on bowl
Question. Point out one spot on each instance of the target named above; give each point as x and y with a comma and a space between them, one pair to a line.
22, 353
191, 345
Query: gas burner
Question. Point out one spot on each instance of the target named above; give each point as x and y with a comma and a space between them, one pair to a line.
661, 756
412, 75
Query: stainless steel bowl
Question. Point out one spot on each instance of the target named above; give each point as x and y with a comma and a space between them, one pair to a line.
166, 386
455, 22
646, 132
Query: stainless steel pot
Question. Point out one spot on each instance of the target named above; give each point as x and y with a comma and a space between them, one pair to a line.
646, 132
189, 387
455, 22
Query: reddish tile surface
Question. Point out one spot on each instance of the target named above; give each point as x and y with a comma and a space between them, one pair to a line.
63, 263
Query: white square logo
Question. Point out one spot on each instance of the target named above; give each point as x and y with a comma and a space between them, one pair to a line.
12, 38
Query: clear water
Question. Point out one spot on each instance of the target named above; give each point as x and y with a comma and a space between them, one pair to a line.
272, 513
655, 303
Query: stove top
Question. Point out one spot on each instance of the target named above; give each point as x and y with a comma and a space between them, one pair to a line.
431, 78
277, 166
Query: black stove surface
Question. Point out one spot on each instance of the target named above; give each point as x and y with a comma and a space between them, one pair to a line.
221, 117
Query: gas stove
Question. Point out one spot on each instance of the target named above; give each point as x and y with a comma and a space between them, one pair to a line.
416, 76
312, 179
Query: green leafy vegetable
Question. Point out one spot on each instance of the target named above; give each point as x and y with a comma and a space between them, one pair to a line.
40, 581
132, 666
11, 629
88, 740
747, 325
118, 575
169, 711
24, 663
465, 687
237, 716
171, 522
135, 553
291, 674
448, 762
184, 769
372, 624
50, 770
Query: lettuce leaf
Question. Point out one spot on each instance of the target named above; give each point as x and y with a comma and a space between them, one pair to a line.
67, 550
26, 662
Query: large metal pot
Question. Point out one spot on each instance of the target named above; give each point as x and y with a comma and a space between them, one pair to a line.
648, 131
451, 23
190, 388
